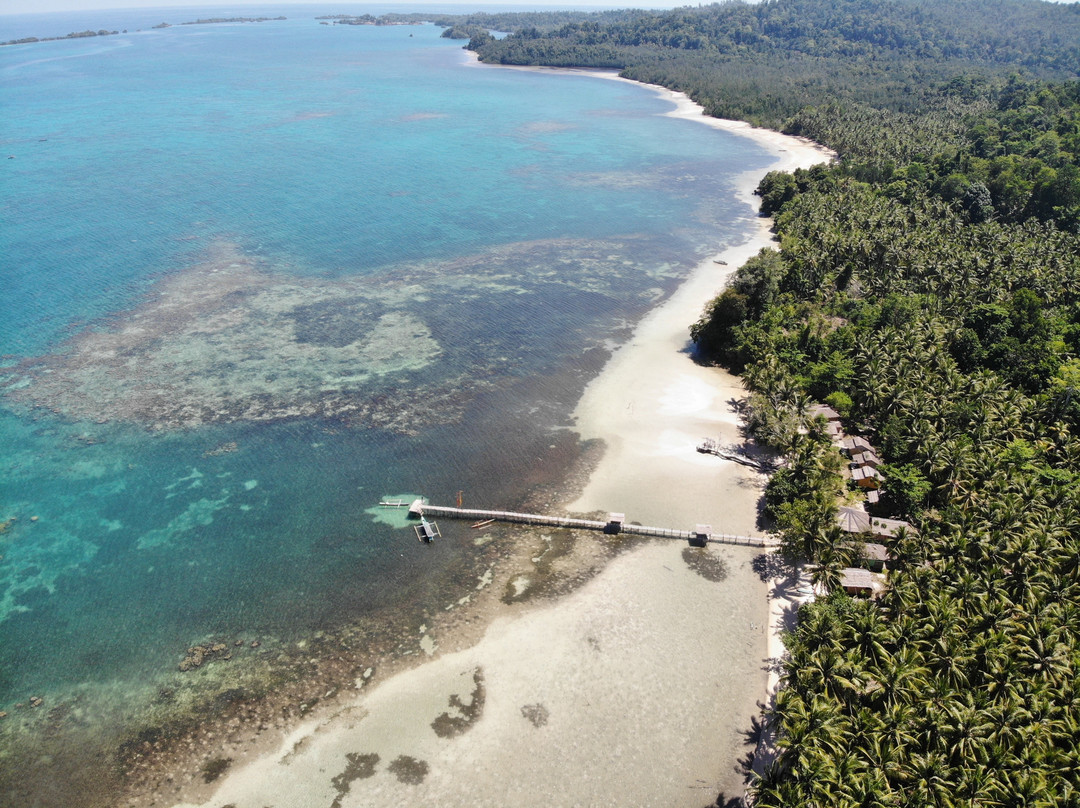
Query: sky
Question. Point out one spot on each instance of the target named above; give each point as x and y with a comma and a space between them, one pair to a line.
38, 6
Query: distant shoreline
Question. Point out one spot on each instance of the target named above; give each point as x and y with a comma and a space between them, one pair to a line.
28, 40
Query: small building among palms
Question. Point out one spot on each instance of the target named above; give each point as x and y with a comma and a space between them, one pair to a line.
857, 582
824, 411
875, 557
866, 477
866, 458
855, 444
856, 521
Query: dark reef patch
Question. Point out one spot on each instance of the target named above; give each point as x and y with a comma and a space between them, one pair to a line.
357, 767
450, 726
708, 566
214, 768
334, 323
409, 770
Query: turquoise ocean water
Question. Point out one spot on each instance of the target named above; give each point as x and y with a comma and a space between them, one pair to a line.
256, 277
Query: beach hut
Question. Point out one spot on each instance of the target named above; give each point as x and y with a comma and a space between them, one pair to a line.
876, 556
857, 582
854, 444
852, 520
872, 556
867, 457
824, 411
855, 521
888, 528
866, 477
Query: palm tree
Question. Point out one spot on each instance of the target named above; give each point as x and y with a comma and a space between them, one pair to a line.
832, 557
965, 732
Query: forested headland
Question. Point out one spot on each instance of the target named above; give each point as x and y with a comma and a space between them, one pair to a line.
927, 286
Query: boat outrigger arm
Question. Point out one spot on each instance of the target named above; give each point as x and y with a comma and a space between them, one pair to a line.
427, 531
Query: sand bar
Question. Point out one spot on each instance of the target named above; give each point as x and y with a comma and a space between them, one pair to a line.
636, 689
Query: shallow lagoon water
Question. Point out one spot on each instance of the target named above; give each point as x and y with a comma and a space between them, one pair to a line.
257, 277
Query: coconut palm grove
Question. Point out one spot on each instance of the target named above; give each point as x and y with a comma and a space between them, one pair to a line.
927, 286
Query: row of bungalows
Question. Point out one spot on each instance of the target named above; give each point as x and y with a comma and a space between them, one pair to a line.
867, 536
864, 460
868, 533
864, 465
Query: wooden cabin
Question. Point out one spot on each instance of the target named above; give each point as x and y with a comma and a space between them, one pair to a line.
866, 458
857, 582
872, 556
854, 444
888, 528
855, 521
876, 556
824, 411
866, 477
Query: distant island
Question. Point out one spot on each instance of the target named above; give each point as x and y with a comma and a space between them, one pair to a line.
81, 34
365, 19
77, 35
214, 20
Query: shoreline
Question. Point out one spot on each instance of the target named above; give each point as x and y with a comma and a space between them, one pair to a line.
517, 695
543, 692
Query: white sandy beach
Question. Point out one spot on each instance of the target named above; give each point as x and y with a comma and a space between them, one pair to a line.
635, 689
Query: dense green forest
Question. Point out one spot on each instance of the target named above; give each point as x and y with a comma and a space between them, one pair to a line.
927, 285
766, 62
945, 325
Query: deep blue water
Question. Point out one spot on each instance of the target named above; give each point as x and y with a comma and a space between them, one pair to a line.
507, 221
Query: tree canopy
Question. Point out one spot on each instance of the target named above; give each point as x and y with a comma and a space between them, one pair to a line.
767, 61
927, 284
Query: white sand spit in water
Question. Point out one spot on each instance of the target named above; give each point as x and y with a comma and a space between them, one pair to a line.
633, 690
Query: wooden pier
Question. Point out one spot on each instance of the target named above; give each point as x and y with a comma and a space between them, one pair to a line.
615, 524
714, 447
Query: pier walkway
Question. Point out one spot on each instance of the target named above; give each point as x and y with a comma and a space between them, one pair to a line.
615, 524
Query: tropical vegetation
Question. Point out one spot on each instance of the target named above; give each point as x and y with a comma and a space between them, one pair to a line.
946, 311
927, 285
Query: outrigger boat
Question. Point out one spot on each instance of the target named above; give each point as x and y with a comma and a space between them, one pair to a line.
427, 531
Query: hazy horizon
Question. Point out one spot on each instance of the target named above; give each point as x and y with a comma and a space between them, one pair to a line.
12, 7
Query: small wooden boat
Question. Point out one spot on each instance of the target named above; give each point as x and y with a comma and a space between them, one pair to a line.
427, 531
